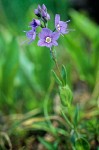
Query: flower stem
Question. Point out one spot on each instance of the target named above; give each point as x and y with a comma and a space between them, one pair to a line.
55, 60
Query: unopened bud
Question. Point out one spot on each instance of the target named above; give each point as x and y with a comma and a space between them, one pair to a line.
39, 8
44, 14
35, 23
44, 7
48, 17
37, 13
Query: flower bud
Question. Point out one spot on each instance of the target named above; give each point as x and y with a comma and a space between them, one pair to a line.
37, 13
31, 35
44, 7
44, 14
39, 8
35, 23
48, 17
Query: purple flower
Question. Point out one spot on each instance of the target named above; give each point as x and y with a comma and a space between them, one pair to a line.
35, 23
60, 26
48, 38
31, 35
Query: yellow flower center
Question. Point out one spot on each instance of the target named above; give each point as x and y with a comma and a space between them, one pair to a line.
48, 39
58, 27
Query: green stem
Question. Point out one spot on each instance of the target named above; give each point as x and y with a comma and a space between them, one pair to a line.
55, 60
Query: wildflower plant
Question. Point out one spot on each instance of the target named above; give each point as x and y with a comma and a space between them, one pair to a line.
48, 38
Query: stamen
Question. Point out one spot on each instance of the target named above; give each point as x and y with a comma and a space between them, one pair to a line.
58, 27
48, 40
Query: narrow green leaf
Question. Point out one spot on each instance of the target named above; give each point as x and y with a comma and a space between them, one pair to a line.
64, 75
76, 116
66, 119
84, 24
56, 78
10, 69
48, 145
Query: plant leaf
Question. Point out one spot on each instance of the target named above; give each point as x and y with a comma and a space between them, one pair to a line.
76, 116
82, 144
48, 145
56, 78
10, 69
64, 75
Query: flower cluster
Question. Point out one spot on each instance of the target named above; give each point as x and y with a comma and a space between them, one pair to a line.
47, 37
42, 13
